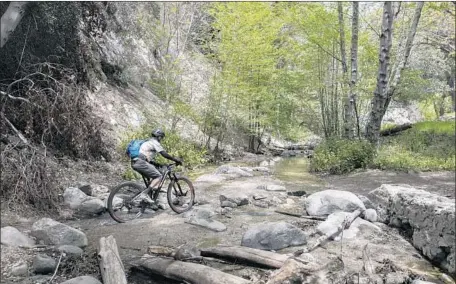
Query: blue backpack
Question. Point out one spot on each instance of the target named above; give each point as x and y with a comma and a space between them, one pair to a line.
133, 148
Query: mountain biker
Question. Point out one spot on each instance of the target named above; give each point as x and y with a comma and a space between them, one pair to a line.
145, 163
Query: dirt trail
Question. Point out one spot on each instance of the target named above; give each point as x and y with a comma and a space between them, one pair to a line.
168, 229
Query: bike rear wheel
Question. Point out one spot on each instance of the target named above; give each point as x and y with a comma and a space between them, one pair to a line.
181, 195
121, 203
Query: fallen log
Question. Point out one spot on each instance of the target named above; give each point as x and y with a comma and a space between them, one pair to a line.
296, 271
318, 218
395, 129
246, 254
186, 271
111, 267
325, 238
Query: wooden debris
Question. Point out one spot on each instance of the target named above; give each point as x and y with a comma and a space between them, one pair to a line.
395, 129
246, 254
319, 218
324, 239
296, 271
186, 271
111, 267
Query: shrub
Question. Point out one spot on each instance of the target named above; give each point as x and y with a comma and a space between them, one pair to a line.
427, 146
338, 156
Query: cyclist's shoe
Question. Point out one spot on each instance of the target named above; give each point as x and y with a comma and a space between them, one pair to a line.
145, 198
162, 206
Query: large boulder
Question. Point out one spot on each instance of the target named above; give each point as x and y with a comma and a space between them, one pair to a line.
430, 217
54, 233
273, 236
237, 198
13, 237
325, 202
82, 203
82, 280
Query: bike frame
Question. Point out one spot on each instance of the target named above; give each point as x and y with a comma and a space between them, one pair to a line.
168, 173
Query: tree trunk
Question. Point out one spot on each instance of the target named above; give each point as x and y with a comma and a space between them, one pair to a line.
245, 254
10, 19
379, 99
385, 91
111, 267
351, 108
188, 272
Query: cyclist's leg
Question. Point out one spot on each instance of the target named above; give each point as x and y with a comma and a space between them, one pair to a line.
147, 170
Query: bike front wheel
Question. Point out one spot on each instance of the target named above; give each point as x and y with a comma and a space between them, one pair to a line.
181, 195
122, 205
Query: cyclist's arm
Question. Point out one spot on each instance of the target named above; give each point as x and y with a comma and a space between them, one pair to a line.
169, 157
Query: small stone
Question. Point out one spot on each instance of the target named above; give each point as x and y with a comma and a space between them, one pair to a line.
260, 203
274, 187
43, 264
259, 196
370, 215
227, 203
19, 269
71, 250
296, 193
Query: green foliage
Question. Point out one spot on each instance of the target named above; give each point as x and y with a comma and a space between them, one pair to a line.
426, 146
191, 154
339, 156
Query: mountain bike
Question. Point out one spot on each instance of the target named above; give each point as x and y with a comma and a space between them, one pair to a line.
125, 204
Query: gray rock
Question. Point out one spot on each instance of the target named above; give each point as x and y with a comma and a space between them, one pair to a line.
99, 190
370, 215
43, 264
82, 203
85, 187
230, 170
431, 218
13, 237
275, 187
91, 206
264, 164
55, 233
19, 269
227, 203
325, 202
261, 203
206, 223
186, 251
82, 280
71, 250
210, 178
203, 213
422, 282
259, 196
366, 201
73, 197
273, 236
238, 198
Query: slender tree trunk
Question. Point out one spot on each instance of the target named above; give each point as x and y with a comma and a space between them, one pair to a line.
349, 117
10, 19
379, 99
385, 90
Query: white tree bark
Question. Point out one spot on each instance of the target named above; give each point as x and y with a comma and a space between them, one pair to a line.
385, 90
10, 19
111, 267
379, 99
354, 72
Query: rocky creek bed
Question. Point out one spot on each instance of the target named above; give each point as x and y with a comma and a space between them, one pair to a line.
405, 232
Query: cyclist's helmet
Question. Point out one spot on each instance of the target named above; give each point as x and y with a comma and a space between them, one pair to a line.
158, 133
